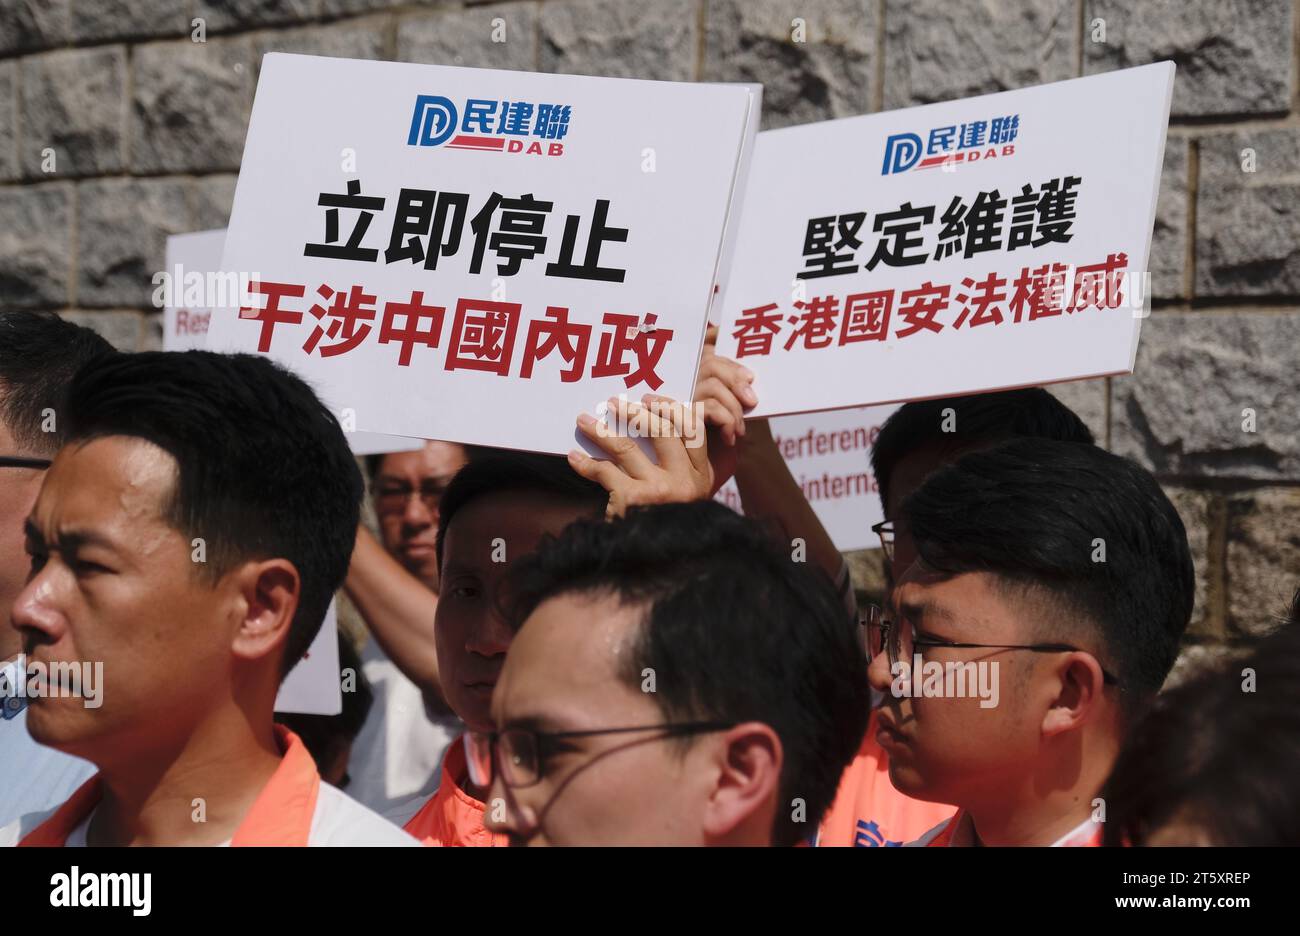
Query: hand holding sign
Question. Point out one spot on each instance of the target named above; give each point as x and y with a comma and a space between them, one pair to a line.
683, 472
723, 391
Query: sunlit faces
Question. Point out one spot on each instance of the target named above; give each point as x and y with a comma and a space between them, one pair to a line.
18, 490
946, 749
112, 582
471, 636
408, 486
564, 674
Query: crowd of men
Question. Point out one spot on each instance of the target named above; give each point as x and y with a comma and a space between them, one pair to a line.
591, 651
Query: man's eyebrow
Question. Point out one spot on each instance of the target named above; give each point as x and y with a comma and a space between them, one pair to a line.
915, 610
544, 724
69, 540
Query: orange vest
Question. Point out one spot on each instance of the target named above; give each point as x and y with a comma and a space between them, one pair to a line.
868, 812
452, 817
281, 815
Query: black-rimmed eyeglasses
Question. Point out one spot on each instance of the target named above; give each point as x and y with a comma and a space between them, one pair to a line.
520, 753
899, 641
19, 461
885, 530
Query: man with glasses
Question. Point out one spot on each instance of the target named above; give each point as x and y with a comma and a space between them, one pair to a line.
39, 353
675, 680
917, 439
1065, 571
393, 582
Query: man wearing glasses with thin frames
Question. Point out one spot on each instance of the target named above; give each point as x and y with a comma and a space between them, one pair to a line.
39, 353
675, 680
1066, 570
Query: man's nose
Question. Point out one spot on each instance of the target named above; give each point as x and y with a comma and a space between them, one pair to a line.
35, 613
878, 674
490, 637
417, 512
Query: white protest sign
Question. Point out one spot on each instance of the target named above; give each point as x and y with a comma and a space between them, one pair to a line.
195, 286
313, 685
829, 456
193, 278
995, 242
479, 255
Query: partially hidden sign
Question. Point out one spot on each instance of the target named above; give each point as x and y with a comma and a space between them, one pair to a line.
829, 457
313, 686
197, 287
994, 242
479, 255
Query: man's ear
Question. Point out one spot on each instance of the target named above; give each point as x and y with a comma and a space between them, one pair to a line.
740, 808
270, 590
1079, 688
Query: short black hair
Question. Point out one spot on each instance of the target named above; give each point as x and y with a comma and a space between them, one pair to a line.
978, 420
1032, 513
1213, 755
39, 354
263, 468
494, 471
734, 630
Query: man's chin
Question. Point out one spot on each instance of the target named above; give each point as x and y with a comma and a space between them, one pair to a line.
49, 724
910, 782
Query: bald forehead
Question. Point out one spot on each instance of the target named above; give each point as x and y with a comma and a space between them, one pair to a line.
568, 655
110, 478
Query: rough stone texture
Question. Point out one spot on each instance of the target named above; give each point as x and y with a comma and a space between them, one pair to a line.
1196, 659
1169, 240
1194, 509
214, 196
1263, 558
8, 121
1248, 223
1233, 56
73, 102
155, 124
35, 245
346, 7
222, 15
355, 39
619, 39
466, 37
191, 105
28, 25
119, 327
1181, 412
123, 228
867, 569
1088, 400
151, 332
829, 74
938, 50
98, 20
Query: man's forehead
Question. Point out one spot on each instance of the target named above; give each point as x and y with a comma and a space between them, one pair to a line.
572, 647
518, 519
8, 443
435, 460
969, 598
114, 480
